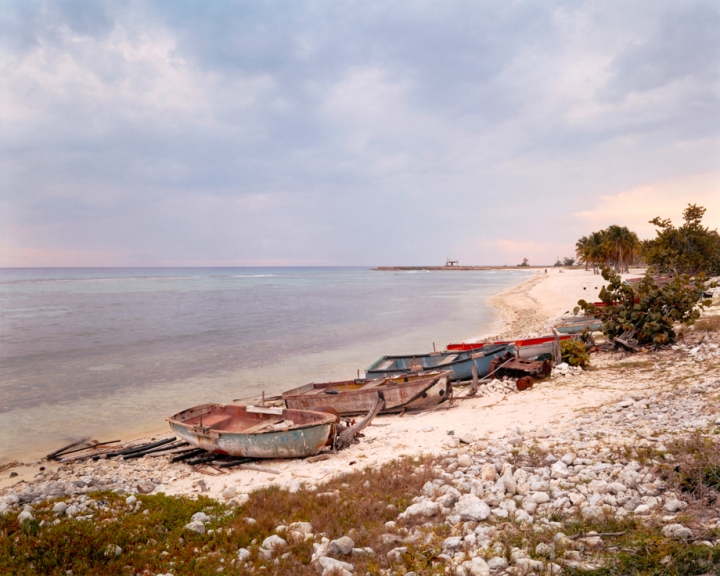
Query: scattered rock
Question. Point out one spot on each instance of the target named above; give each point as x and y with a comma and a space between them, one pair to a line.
426, 508
674, 505
195, 526
342, 546
59, 508
200, 517
395, 555
145, 487
488, 473
25, 515
327, 566
228, 492
302, 527
464, 461
677, 531
497, 563
470, 508
270, 546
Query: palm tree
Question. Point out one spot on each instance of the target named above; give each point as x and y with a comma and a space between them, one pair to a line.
596, 250
580, 251
622, 245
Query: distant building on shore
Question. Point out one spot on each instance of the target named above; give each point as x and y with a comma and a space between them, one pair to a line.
449, 262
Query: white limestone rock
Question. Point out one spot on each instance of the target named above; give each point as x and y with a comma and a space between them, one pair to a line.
342, 546
327, 566
195, 526
471, 509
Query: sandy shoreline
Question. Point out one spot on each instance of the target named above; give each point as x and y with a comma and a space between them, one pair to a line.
527, 309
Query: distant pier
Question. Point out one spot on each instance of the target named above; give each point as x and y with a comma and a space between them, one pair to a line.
433, 268
449, 268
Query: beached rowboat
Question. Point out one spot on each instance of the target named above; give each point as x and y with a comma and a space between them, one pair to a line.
578, 325
407, 392
460, 362
253, 431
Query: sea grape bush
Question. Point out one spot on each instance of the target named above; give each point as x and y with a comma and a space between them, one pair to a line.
646, 312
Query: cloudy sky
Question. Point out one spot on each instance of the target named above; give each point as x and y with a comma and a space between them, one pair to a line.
349, 133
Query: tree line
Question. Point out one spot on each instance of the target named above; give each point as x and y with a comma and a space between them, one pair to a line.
688, 249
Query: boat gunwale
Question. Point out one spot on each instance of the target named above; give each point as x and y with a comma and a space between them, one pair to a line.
327, 419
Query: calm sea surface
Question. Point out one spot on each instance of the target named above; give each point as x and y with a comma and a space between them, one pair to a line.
108, 352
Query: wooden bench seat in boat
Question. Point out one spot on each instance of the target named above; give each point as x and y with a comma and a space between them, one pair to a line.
262, 425
447, 360
216, 421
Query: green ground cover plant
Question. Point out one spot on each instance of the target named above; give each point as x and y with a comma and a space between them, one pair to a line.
574, 353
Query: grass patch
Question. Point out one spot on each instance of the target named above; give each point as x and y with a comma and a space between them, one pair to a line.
696, 470
708, 324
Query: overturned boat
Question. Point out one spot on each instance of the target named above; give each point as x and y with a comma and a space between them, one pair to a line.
460, 362
407, 392
526, 348
579, 325
254, 431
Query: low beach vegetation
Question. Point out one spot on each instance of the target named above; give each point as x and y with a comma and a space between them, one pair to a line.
574, 353
149, 536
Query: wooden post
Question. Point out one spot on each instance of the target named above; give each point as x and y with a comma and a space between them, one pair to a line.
474, 386
434, 347
558, 351
263, 398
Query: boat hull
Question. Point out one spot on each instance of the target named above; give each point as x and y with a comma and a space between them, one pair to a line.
352, 398
461, 363
527, 348
592, 324
306, 437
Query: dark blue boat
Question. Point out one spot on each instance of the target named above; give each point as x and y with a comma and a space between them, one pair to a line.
460, 362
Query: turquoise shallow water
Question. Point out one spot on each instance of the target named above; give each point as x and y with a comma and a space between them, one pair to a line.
110, 352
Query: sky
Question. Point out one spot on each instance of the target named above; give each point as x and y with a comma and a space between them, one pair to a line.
231, 133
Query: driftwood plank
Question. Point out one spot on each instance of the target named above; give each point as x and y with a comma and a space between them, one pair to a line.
66, 448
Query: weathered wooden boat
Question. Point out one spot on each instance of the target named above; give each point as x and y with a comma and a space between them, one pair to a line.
460, 362
253, 431
415, 391
527, 348
578, 325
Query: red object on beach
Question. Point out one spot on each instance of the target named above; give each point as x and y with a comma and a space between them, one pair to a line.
524, 383
518, 343
463, 346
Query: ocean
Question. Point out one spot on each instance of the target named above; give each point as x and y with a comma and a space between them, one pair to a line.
105, 353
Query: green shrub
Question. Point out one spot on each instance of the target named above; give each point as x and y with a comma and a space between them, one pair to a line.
575, 353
